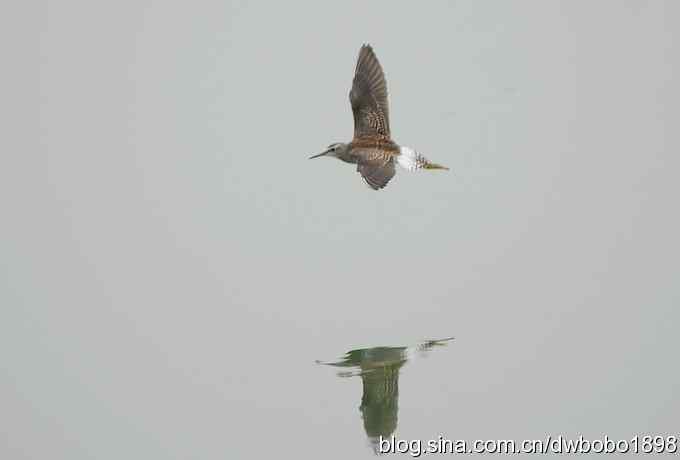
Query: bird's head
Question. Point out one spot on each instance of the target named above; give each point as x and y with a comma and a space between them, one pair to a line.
332, 150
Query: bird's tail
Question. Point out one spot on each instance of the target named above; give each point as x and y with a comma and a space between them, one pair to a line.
411, 160
435, 166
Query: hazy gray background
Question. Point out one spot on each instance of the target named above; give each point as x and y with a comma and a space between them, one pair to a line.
172, 264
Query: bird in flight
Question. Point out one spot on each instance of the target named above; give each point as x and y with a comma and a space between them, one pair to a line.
372, 149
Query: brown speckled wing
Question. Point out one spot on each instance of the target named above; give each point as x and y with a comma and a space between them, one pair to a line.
376, 171
368, 97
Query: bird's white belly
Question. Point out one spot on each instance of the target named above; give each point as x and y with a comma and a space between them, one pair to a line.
410, 160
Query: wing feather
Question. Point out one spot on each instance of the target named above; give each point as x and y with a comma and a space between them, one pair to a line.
368, 97
377, 171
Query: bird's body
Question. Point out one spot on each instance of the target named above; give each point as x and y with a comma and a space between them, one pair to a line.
372, 148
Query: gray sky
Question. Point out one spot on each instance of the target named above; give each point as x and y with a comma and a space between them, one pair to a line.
172, 264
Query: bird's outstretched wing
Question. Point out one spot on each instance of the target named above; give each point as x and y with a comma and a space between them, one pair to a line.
377, 172
368, 97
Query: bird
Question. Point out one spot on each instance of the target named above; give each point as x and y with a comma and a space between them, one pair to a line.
379, 369
372, 148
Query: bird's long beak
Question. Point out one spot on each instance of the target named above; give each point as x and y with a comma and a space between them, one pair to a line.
320, 154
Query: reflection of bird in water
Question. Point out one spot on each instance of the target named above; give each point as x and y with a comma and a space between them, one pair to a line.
372, 149
379, 371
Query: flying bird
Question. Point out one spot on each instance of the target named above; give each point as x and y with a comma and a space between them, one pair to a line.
372, 149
